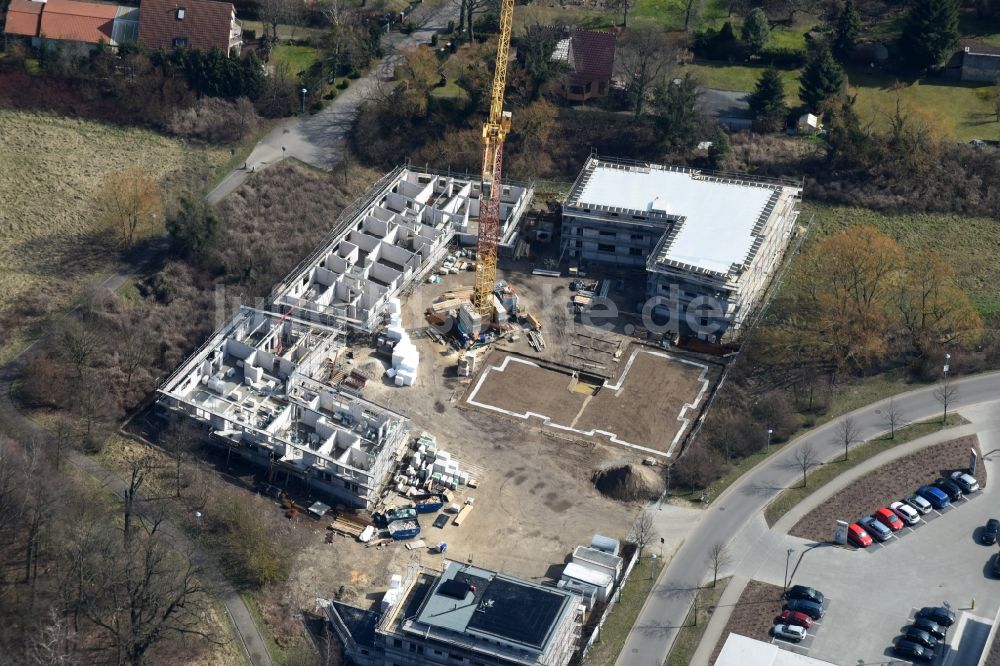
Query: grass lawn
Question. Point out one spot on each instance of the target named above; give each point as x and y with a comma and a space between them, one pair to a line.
450, 89
956, 108
825, 473
285, 32
690, 634
606, 648
49, 251
965, 242
298, 58
742, 78
543, 14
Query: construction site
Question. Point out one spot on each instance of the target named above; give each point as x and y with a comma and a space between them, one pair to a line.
462, 390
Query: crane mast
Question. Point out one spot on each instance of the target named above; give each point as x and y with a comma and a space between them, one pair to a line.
494, 132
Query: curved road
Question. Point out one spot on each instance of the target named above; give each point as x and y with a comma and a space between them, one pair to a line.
669, 601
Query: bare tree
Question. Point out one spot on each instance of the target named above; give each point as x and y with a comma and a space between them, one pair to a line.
893, 417
78, 342
178, 442
624, 6
643, 530
644, 57
132, 495
135, 350
806, 459
848, 433
946, 393
51, 644
128, 204
718, 559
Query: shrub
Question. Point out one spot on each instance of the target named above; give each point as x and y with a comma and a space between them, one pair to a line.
784, 58
451, 26
213, 120
695, 469
434, 39
249, 35
354, 74
343, 84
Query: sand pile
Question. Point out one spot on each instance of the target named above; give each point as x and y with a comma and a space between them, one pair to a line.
628, 482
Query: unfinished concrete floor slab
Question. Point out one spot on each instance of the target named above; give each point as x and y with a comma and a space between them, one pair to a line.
647, 409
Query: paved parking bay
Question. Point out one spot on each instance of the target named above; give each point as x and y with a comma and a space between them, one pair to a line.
803, 646
878, 589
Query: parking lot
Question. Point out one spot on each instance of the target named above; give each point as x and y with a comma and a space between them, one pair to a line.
876, 591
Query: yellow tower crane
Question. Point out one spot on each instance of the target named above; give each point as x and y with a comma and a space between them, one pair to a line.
494, 132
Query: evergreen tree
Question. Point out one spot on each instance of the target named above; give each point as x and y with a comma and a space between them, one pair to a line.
767, 101
930, 33
848, 28
677, 115
720, 153
821, 79
756, 30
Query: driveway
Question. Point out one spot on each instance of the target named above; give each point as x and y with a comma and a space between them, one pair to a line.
320, 139
739, 508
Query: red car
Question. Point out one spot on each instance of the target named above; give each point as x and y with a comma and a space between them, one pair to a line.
858, 536
797, 618
889, 518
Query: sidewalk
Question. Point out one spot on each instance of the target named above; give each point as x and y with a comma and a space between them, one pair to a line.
713, 632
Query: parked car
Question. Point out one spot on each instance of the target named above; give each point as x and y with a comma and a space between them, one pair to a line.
949, 487
990, 531
797, 618
875, 528
790, 632
919, 503
857, 536
441, 520
906, 513
912, 651
889, 518
921, 637
966, 482
803, 592
930, 626
937, 497
939, 614
810, 608
995, 565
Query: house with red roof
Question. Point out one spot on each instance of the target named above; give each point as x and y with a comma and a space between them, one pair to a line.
590, 55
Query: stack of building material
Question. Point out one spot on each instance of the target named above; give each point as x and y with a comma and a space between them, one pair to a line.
393, 594
405, 357
470, 321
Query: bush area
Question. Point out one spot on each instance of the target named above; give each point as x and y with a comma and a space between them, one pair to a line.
753, 615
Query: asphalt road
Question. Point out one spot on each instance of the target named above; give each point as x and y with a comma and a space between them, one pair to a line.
320, 139
670, 599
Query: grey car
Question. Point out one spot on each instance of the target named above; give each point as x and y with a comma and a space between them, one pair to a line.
875, 528
919, 503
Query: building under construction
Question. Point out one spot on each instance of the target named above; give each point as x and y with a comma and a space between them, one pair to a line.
704, 239
266, 385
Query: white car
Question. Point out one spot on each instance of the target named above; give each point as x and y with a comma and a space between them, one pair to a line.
909, 515
919, 503
966, 482
789, 632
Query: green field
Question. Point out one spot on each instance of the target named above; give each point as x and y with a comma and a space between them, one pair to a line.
741, 78
967, 243
298, 58
450, 89
955, 108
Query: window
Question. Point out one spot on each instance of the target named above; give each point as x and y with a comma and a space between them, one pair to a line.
180, 13
606, 233
635, 251
396, 642
638, 237
579, 231
180, 42
579, 243
603, 247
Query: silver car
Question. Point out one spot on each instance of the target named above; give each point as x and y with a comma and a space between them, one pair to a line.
919, 503
966, 482
789, 632
879, 531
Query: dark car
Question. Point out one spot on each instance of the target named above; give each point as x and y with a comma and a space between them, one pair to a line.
989, 535
441, 520
995, 565
921, 637
930, 626
810, 608
938, 614
937, 497
950, 488
803, 592
913, 651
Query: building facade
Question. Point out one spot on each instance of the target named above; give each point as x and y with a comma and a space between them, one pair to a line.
709, 243
463, 616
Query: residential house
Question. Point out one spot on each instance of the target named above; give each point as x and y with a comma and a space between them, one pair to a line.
590, 55
196, 24
84, 23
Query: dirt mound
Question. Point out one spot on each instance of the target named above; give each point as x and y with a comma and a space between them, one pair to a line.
628, 482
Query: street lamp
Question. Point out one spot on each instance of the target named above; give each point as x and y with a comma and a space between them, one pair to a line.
947, 364
767, 447
788, 556
304, 91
